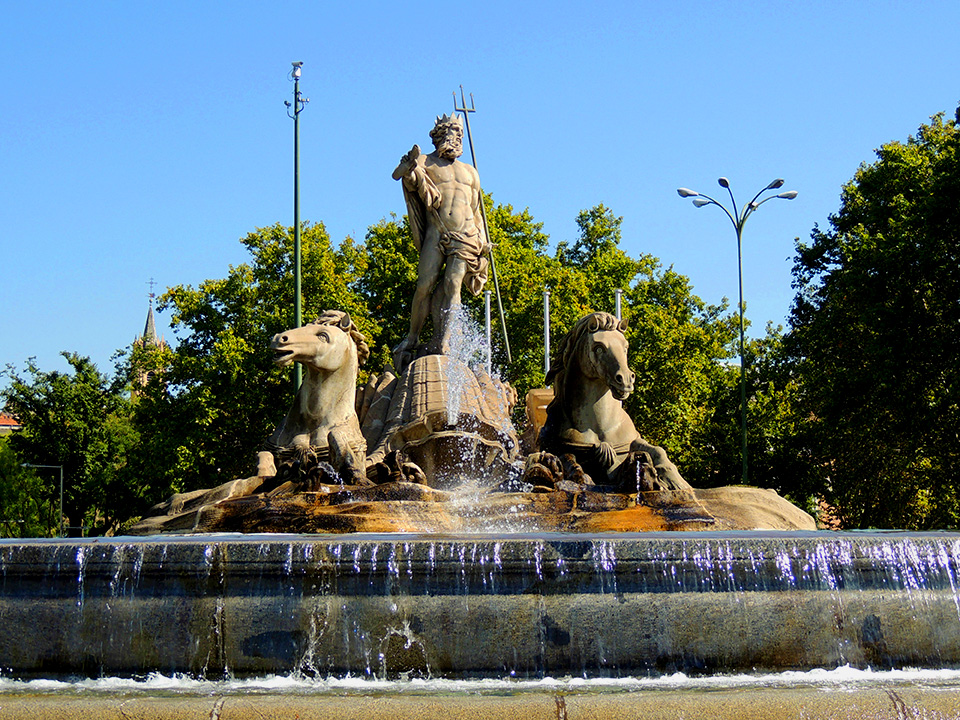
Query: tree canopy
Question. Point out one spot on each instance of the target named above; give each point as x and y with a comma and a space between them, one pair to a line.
27, 507
874, 337
81, 421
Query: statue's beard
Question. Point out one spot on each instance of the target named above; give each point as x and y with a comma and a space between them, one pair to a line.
450, 149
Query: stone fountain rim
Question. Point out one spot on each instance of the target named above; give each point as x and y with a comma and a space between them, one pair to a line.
485, 537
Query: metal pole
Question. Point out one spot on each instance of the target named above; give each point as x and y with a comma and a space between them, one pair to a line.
483, 212
616, 302
739, 219
546, 331
743, 366
297, 297
486, 309
296, 106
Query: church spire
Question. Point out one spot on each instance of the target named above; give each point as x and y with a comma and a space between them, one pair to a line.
149, 336
147, 364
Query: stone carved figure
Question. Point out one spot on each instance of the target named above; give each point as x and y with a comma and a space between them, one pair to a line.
323, 418
443, 204
586, 417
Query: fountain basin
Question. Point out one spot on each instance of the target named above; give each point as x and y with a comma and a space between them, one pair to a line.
479, 605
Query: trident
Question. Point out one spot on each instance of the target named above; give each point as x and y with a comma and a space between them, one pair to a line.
483, 210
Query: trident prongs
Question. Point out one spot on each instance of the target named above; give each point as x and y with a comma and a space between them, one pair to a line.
463, 102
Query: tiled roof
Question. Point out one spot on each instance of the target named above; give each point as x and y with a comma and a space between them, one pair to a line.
8, 421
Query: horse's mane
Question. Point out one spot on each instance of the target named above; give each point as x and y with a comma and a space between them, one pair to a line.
342, 320
570, 346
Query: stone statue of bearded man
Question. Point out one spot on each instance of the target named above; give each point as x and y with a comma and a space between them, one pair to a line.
443, 204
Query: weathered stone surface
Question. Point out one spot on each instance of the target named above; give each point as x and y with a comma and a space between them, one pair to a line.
445, 210
374, 405
451, 420
741, 507
586, 417
487, 605
887, 700
413, 507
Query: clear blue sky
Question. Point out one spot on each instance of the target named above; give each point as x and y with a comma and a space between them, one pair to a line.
143, 140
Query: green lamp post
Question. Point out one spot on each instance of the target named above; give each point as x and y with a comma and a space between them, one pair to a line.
739, 219
293, 110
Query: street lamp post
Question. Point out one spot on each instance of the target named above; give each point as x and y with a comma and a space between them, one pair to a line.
293, 111
60, 467
739, 219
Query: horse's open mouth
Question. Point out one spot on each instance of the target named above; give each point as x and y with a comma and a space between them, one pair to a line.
621, 393
282, 357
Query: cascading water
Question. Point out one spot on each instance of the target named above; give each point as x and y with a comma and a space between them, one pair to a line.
480, 606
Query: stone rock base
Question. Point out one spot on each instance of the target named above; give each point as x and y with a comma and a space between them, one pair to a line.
410, 507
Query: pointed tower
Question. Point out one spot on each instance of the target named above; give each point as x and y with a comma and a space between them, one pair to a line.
143, 359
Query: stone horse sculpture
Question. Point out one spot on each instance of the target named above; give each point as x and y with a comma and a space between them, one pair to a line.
322, 420
586, 418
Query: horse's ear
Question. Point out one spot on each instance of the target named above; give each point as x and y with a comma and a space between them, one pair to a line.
623, 325
593, 323
345, 322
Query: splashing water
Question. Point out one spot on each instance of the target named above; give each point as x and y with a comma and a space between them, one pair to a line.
468, 348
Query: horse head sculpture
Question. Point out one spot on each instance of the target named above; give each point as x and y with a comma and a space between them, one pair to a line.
328, 344
586, 417
596, 349
323, 417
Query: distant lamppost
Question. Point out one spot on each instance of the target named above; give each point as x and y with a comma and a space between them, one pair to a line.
59, 467
293, 111
738, 219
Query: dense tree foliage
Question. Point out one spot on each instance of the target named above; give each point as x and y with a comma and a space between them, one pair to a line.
875, 338
26, 506
80, 420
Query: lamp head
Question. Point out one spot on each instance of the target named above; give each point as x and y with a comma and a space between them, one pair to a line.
700, 202
685, 192
295, 73
778, 183
724, 183
789, 195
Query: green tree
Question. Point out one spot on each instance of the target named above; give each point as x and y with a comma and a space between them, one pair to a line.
679, 347
874, 337
387, 284
778, 448
80, 420
221, 395
524, 271
26, 507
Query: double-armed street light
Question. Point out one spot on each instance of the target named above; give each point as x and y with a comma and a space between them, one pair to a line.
739, 219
